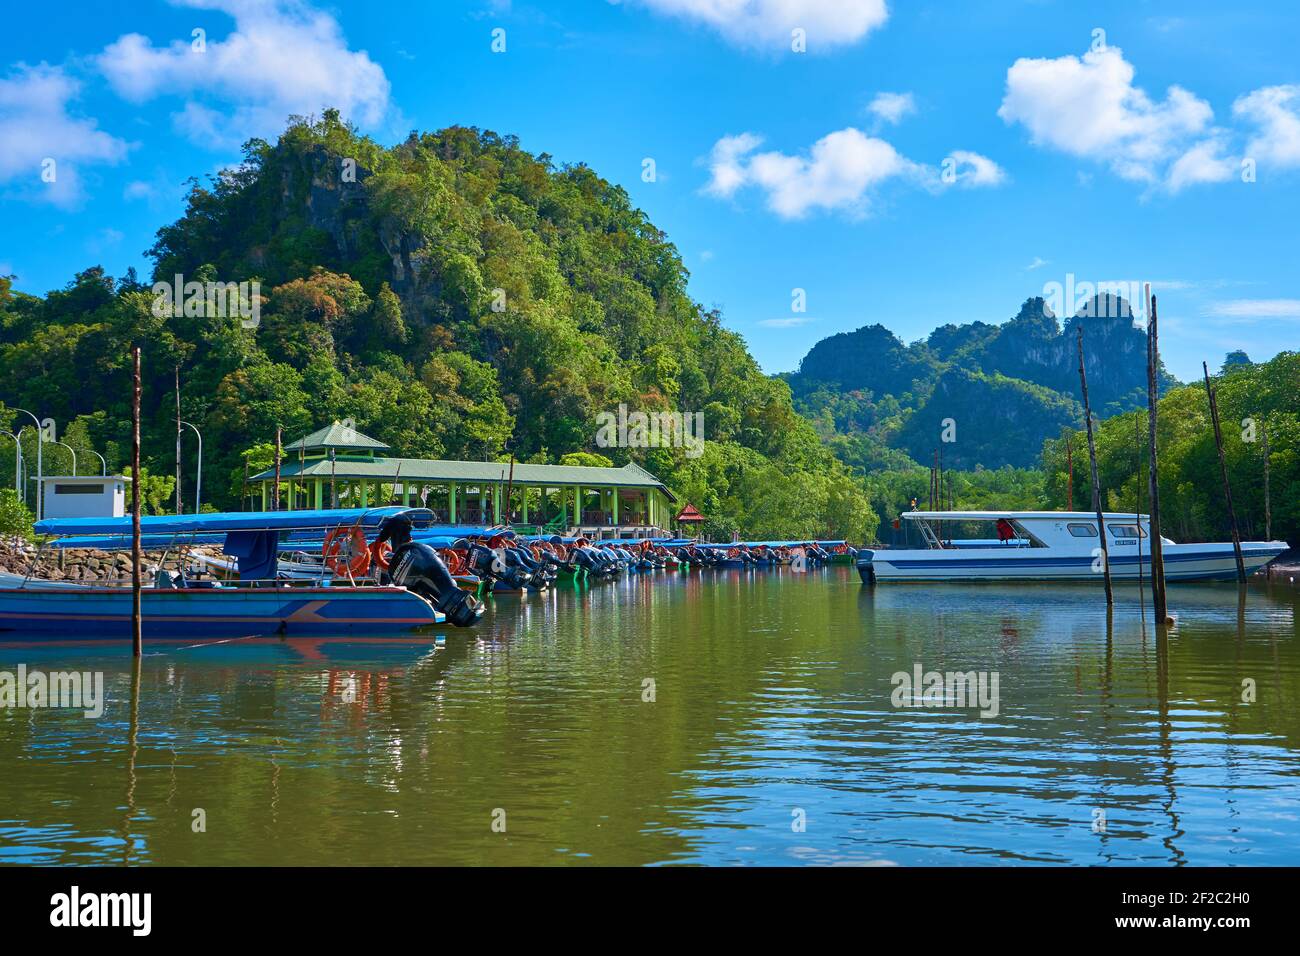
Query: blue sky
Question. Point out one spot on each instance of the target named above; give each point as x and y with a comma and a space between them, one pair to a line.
914, 164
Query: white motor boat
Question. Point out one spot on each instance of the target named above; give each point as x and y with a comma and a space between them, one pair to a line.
1048, 546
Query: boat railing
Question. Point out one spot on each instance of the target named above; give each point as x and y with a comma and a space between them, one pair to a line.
192, 583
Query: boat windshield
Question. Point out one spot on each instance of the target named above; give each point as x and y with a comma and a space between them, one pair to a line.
946, 533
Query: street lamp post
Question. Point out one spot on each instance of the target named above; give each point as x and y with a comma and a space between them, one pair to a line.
40, 463
71, 452
198, 480
103, 465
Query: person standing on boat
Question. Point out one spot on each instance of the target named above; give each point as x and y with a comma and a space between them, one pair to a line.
1005, 531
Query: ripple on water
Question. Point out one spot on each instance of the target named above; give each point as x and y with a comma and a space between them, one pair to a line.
731, 719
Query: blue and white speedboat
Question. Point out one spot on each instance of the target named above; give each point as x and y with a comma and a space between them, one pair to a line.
1048, 546
413, 590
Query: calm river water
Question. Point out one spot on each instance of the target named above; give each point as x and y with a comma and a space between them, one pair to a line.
771, 736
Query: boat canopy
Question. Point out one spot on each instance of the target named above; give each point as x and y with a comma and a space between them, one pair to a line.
763, 544
1017, 516
148, 542
224, 522
253, 538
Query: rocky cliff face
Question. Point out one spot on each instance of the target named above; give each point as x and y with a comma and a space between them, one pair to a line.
1033, 348
1011, 385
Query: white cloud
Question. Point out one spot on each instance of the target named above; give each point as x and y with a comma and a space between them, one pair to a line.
104, 240
282, 58
837, 173
35, 126
785, 323
726, 163
892, 107
1250, 309
1088, 107
972, 169
1203, 163
138, 189
1038, 263
768, 23
1275, 110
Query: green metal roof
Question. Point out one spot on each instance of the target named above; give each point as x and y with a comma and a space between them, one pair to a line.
336, 435
630, 475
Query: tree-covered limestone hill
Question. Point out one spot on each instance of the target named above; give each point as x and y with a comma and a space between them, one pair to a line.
879, 403
456, 297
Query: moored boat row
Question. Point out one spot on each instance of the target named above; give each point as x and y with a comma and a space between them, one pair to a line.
384, 570
1048, 546
330, 573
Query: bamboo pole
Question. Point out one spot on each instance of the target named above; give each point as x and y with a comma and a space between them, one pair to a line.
137, 643
938, 487
275, 498
1268, 507
1137, 514
1158, 597
1069, 474
1212, 394
179, 504
1096, 483
510, 485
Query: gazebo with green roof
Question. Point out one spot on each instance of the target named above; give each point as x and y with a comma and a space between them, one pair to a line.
339, 467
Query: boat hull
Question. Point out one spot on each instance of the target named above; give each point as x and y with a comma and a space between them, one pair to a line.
1183, 562
34, 614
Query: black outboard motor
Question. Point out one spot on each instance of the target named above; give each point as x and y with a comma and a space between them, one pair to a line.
585, 558
538, 575
482, 561
417, 567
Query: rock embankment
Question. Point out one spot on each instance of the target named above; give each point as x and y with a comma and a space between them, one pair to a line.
79, 564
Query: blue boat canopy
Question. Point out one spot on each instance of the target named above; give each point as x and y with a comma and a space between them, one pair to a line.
148, 542
225, 522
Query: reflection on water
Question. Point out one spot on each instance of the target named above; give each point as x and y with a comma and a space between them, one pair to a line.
770, 739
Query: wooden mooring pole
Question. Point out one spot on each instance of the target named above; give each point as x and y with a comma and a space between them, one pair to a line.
1096, 483
510, 487
1212, 394
137, 642
1137, 512
1268, 507
275, 497
179, 504
1069, 474
1158, 601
